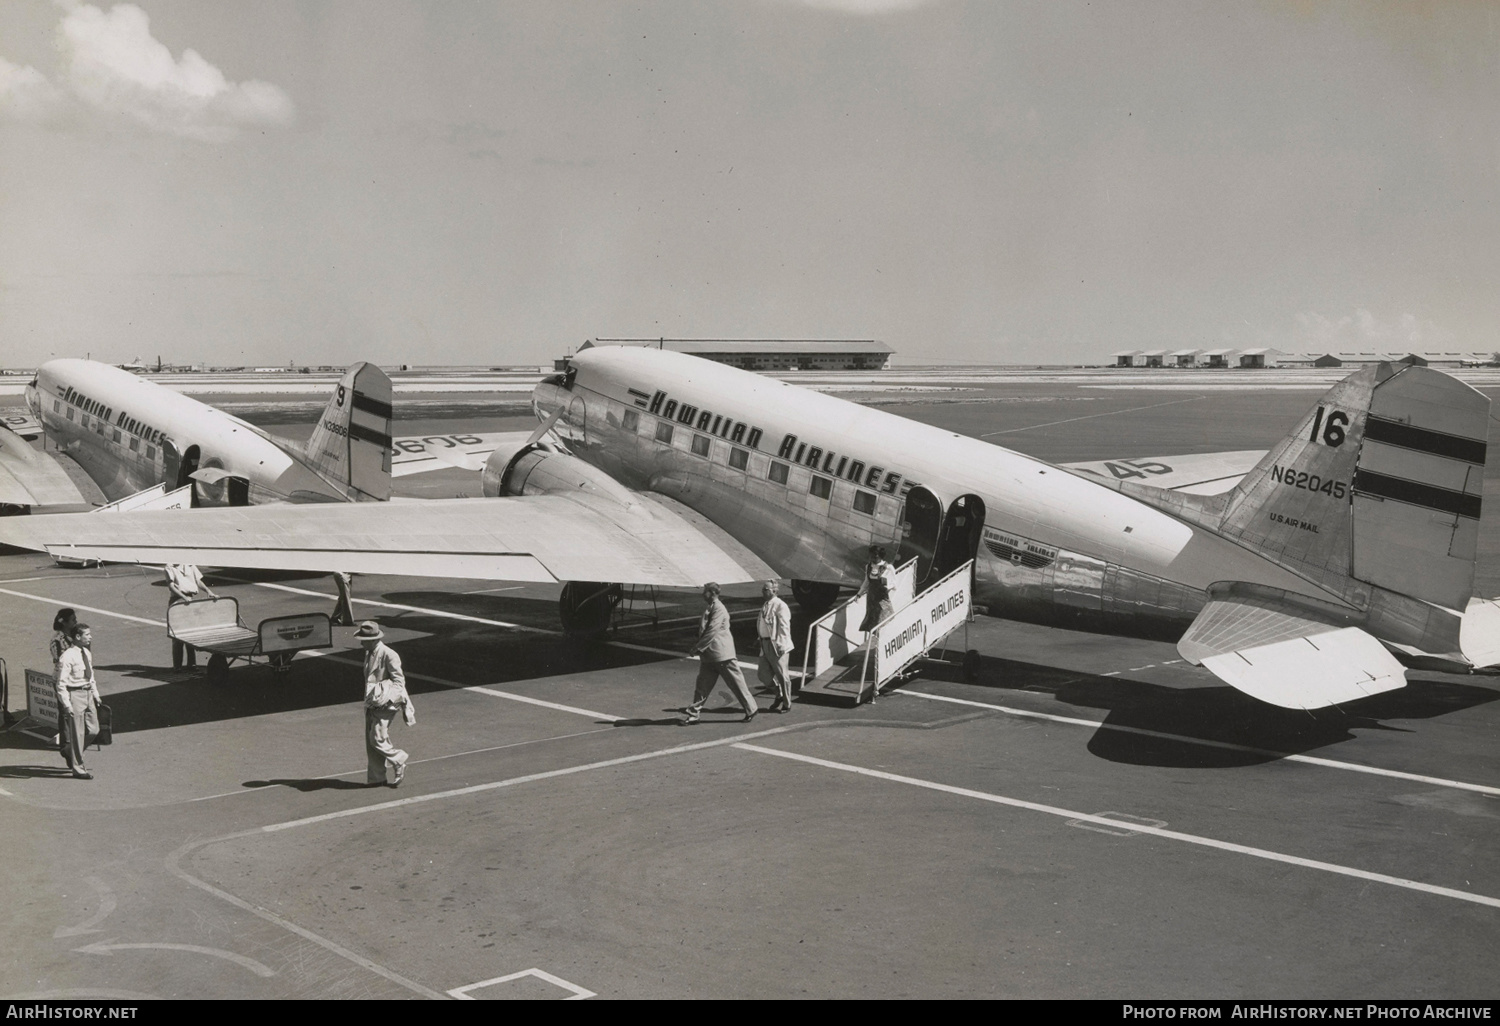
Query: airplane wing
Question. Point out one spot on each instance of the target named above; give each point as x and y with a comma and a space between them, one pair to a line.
578, 536
417, 455
1286, 659
29, 477
1207, 473
21, 422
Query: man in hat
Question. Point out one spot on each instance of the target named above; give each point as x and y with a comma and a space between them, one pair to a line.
78, 698
774, 628
385, 696
716, 658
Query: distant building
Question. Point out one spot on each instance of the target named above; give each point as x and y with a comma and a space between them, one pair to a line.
1151, 358
770, 354
1215, 357
1125, 357
1185, 357
1255, 359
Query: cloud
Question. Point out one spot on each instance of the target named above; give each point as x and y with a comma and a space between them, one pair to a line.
112, 63
1362, 331
25, 93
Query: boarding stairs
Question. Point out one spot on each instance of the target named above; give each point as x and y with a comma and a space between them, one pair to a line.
837, 663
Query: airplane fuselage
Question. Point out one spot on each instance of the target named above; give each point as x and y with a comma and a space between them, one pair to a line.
128, 433
808, 482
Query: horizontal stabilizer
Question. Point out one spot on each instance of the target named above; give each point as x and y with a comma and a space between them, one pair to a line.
1312, 672
1294, 657
1479, 633
1204, 473
417, 455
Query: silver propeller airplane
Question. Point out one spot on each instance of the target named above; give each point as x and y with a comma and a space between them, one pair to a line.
1304, 576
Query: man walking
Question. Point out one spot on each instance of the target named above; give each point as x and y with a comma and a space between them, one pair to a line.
774, 628
716, 658
78, 698
185, 582
385, 696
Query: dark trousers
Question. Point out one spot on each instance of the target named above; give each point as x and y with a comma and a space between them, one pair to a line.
709, 674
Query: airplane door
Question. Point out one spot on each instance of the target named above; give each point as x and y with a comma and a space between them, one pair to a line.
959, 541
171, 461
920, 530
186, 467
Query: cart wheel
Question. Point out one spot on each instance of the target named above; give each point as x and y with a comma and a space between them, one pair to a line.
218, 668
281, 662
971, 664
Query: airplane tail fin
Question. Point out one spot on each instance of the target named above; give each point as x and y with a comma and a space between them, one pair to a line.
1380, 483
351, 445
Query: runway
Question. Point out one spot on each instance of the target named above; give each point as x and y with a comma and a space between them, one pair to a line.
1090, 817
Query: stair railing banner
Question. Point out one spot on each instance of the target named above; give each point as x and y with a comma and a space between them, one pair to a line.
910, 632
836, 634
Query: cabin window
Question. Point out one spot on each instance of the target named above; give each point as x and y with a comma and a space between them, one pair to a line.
630, 421
150, 452
70, 413
864, 502
664, 432
778, 472
116, 433
822, 487
135, 444
700, 446
56, 406
739, 459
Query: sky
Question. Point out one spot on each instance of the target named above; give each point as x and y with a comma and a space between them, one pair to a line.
454, 182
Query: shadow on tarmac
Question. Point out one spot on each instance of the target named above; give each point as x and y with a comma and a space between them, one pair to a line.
1221, 715
314, 784
27, 772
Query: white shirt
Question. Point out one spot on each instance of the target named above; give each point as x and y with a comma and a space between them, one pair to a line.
75, 670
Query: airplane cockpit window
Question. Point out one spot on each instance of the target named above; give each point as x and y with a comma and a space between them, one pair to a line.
563, 380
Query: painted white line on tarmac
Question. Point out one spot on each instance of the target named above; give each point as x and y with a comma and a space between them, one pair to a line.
1313, 760
1139, 828
509, 782
87, 609
576, 993
577, 711
410, 609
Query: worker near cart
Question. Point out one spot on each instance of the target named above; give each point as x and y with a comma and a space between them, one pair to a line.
78, 698
716, 658
185, 582
773, 627
385, 696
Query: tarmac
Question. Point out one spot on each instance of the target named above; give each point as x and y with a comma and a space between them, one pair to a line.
1090, 817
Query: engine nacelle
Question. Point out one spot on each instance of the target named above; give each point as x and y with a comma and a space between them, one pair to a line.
543, 469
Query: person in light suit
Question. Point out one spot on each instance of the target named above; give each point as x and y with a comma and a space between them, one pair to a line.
385, 696
774, 628
715, 651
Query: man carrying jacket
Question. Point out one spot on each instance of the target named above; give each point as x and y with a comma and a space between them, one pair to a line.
716, 658
774, 629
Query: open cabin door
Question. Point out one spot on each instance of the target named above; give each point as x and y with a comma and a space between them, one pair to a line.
959, 541
921, 528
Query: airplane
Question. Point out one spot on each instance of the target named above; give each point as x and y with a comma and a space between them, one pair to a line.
1304, 576
116, 434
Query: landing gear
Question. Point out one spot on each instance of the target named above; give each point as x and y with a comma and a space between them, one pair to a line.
971, 664
343, 609
815, 597
587, 606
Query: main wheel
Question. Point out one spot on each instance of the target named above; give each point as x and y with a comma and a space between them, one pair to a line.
586, 607
815, 597
218, 668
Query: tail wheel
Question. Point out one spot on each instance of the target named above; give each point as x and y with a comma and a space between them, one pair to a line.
218, 668
587, 606
971, 664
815, 596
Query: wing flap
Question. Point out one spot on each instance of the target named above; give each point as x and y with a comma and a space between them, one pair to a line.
1479, 632
534, 538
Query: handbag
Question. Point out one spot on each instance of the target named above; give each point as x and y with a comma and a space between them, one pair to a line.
106, 733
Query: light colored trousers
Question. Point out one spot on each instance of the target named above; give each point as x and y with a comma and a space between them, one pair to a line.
709, 674
378, 745
80, 723
773, 670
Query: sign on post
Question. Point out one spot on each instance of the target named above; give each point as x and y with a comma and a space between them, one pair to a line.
931, 617
41, 706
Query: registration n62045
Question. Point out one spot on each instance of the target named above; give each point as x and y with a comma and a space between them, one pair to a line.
1309, 482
